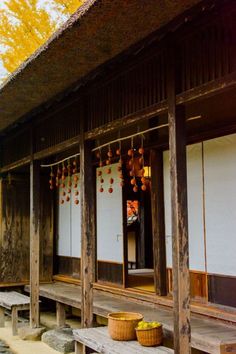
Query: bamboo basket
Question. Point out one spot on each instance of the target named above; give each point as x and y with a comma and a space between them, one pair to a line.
150, 337
121, 325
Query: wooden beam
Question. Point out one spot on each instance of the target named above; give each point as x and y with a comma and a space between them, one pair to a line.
55, 149
131, 119
88, 232
17, 164
180, 249
208, 89
158, 221
34, 242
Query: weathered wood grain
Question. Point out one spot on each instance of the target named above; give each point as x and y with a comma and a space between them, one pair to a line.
88, 233
98, 339
158, 221
180, 249
207, 334
12, 298
14, 302
34, 242
2, 317
46, 231
14, 237
61, 314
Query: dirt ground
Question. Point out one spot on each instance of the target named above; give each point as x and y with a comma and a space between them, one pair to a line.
19, 346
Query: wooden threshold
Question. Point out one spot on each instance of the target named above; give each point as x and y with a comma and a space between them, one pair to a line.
66, 279
8, 285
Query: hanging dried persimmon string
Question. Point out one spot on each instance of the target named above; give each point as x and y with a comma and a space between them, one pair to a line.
99, 173
68, 170
111, 181
51, 179
131, 152
120, 163
142, 170
109, 155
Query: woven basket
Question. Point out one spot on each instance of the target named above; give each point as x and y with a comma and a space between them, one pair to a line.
121, 325
150, 337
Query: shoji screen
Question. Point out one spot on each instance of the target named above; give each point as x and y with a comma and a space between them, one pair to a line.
220, 194
69, 227
110, 228
64, 228
195, 207
109, 218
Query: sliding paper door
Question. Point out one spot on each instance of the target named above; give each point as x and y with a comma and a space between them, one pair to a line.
69, 233
109, 226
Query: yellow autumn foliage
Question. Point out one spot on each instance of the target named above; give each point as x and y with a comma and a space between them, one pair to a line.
68, 7
25, 25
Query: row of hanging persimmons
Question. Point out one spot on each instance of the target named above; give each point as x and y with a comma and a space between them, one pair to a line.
67, 180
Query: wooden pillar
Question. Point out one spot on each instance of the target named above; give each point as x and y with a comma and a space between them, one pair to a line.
2, 317
61, 314
34, 242
158, 221
88, 222
142, 235
180, 248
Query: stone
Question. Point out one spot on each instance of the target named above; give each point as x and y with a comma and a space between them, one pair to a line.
4, 348
60, 339
3, 345
27, 333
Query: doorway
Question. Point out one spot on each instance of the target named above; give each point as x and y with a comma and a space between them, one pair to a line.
139, 243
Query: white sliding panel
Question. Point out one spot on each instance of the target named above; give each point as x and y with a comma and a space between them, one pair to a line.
195, 207
220, 194
109, 217
64, 228
76, 224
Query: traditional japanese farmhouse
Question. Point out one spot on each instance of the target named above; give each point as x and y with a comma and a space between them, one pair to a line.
118, 168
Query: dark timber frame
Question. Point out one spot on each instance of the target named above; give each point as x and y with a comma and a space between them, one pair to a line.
34, 242
158, 221
88, 234
179, 212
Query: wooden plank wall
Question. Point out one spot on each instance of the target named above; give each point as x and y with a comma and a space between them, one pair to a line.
46, 231
14, 236
34, 242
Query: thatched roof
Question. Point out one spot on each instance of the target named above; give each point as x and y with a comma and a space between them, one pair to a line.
97, 32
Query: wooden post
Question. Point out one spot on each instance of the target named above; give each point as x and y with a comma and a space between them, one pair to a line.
158, 221
180, 249
61, 314
14, 320
2, 317
34, 242
88, 232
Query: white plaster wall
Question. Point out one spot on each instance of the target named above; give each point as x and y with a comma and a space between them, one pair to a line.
64, 228
69, 227
195, 207
220, 192
76, 224
109, 218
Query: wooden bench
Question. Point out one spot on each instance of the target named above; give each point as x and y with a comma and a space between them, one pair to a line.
99, 340
14, 302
